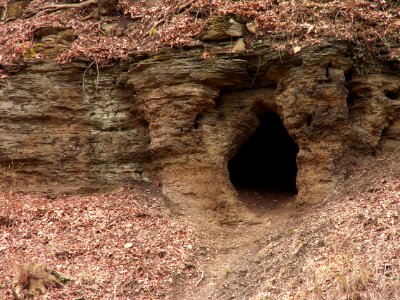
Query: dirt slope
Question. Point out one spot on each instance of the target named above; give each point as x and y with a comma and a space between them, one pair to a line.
128, 244
344, 248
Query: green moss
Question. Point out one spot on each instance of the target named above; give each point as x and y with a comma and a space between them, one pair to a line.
153, 31
30, 54
66, 36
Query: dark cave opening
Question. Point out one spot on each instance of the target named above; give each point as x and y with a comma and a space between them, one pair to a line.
265, 165
392, 95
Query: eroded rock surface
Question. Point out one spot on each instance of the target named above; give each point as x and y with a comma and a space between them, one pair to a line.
61, 135
178, 119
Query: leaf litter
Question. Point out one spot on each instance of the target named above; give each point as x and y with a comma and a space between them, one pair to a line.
119, 245
150, 26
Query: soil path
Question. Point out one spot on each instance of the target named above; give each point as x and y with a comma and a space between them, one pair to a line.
221, 246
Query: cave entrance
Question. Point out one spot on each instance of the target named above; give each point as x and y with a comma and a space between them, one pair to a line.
264, 169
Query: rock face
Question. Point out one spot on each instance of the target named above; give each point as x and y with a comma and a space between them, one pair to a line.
61, 135
179, 119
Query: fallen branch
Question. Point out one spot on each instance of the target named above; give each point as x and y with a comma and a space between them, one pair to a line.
55, 7
114, 293
137, 204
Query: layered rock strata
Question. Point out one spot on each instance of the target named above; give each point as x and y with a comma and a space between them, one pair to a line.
178, 119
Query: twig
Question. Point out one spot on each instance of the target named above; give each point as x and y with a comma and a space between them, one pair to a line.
83, 77
137, 204
97, 76
201, 278
114, 294
258, 69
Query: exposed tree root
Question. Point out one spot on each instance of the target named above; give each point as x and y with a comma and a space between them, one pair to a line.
55, 7
104, 7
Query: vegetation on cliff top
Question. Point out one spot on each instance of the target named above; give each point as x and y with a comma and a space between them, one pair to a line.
148, 26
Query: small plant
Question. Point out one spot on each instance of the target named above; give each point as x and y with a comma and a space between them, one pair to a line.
153, 31
176, 273
291, 231
227, 271
30, 53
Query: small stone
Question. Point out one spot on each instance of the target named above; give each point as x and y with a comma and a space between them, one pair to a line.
239, 46
128, 245
296, 49
235, 28
189, 265
243, 272
251, 26
220, 28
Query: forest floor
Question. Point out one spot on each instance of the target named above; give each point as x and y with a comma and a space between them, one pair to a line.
130, 244
120, 245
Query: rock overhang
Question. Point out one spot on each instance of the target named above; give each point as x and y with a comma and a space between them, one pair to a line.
183, 117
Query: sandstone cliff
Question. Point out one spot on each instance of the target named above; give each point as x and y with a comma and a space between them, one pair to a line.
178, 118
